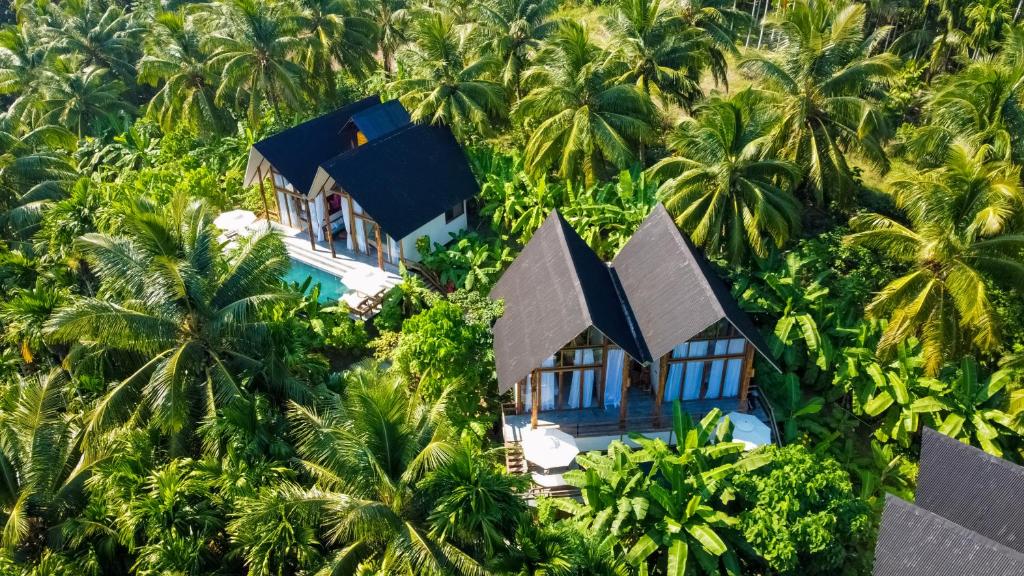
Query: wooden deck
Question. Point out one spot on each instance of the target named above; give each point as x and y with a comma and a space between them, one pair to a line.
597, 422
359, 273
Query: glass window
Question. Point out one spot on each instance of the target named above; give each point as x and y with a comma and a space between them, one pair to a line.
454, 212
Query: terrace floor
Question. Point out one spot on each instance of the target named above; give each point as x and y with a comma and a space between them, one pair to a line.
593, 427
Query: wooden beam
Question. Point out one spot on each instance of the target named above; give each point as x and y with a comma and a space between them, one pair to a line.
624, 400
263, 194
380, 249
521, 389
327, 222
603, 372
309, 223
747, 374
660, 395
352, 223
535, 399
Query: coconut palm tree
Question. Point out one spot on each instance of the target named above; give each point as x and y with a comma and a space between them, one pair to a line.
173, 55
367, 451
586, 122
514, 29
42, 468
96, 34
22, 61
33, 167
661, 52
721, 189
960, 235
181, 314
447, 82
85, 101
335, 33
256, 52
980, 104
391, 18
820, 77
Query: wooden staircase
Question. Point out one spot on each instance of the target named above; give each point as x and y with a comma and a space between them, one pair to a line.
515, 462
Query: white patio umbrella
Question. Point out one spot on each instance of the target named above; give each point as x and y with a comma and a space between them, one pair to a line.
549, 448
368, 279
234, 220
750, 430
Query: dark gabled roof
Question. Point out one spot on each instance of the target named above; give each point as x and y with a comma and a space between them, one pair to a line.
297, 152
972, 488
555, 289
915, 542
673, 291
381, 120
407, 178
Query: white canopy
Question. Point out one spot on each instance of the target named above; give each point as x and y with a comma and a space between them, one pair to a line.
234, 220
749, 429
549, 448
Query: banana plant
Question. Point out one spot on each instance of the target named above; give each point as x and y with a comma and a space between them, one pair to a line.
664, 505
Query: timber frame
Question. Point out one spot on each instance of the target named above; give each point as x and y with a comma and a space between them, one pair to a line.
371, 229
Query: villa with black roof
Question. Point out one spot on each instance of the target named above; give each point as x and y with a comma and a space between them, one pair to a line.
366, 180
598, 348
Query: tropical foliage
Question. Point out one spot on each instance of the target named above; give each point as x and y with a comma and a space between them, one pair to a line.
169, 405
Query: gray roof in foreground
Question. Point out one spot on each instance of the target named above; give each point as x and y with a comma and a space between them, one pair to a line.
658, 292
975, 489
556, 288
673, 291
915, 542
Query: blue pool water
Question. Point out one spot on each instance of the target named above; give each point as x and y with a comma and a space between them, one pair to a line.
331, 288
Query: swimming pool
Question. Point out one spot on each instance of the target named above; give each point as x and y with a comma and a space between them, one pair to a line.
331, 288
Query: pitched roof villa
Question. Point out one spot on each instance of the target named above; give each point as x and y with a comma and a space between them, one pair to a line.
968, 519
597, 348
364, 181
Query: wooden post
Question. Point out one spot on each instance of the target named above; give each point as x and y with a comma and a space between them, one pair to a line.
380, 249
624, 401
327, 223
521, 389
263, 194
309, 223
748, 373
352, 222
660, 395
601, 377
535, 398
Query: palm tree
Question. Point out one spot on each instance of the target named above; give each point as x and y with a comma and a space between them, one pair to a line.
980, 104
42, 468
335, 34
33, 168
256, 52
367, 451
447, 83
824, 68
721, 190
586, 121
22, 61
662, 54
173, 56
85, 101
391, 18
176, 309
514, 29
960, 234
97, 34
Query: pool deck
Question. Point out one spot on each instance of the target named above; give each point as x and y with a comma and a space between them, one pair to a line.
357, 272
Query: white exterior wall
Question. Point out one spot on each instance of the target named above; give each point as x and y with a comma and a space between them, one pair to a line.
438, 231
